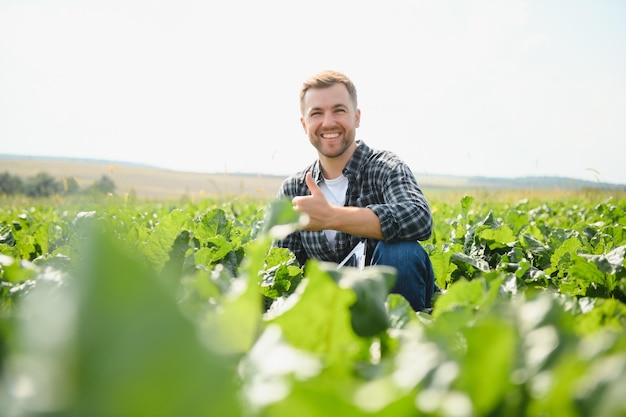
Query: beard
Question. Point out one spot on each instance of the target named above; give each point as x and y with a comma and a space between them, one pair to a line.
332, 149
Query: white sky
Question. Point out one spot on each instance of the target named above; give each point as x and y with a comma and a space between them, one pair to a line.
494, 88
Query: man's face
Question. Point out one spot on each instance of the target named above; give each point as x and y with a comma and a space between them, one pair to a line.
330, 120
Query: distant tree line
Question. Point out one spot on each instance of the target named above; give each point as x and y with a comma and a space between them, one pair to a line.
45, 185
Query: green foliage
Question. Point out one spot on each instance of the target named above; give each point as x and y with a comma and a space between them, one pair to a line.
121, 309
104, 185
44, 185
10, 184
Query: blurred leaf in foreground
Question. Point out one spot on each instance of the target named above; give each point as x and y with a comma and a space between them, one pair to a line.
117, 345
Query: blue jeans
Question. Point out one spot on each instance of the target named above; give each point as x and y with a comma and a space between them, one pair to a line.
415, 278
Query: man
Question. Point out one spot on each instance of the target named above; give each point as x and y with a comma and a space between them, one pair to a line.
352, 192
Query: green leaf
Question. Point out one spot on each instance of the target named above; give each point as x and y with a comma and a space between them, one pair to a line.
281, 280
316, 318
442, 267
281, 218
486, 366
235, 325
269, 368
282, 273
501, 237
6, 236
610, 263
118, 345
464, 261
371, 286
461, 293
563, 255
399, 311
277, 256
161, 240
466, 203
606, 314
213, 224
218, 248
127, 318
534, 245
16, 271
587, 272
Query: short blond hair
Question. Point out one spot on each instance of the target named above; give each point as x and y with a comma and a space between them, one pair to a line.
325, 79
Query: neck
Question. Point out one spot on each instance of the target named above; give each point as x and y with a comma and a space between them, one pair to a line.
333, 167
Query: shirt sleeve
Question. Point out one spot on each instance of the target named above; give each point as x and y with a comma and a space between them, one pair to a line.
405, 213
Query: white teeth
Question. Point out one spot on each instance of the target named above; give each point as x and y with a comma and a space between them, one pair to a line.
330, 135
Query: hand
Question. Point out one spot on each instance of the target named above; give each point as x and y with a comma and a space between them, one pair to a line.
315, 206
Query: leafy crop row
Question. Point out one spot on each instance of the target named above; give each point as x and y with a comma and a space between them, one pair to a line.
160, 310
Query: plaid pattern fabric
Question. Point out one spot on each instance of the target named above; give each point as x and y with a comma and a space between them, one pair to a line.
378, 180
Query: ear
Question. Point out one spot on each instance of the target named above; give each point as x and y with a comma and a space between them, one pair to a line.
357, 118
303, 123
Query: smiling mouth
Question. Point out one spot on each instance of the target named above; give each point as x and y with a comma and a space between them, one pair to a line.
330, 135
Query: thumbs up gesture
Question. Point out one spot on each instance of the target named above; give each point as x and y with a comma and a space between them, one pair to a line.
315, 206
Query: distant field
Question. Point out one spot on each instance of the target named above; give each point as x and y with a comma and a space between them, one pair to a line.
149, 182
155, 183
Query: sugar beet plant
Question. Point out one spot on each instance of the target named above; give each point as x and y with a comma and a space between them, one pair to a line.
159, 310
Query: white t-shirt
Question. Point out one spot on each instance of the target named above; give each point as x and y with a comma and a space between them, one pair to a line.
335, 192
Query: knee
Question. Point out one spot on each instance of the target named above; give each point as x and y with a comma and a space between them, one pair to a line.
391, 253
415, 278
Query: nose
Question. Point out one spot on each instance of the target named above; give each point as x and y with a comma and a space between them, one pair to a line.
329, 119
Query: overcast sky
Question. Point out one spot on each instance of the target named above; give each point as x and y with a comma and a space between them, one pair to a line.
494, 88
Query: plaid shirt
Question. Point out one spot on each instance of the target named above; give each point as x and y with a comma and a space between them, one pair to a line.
378, 180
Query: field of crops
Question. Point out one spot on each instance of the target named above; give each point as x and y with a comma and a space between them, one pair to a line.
115, 307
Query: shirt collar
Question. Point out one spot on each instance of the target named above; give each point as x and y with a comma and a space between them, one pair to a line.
317, 172
358, 158
352, 167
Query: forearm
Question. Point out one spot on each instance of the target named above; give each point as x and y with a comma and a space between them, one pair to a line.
358, 221
408, 221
